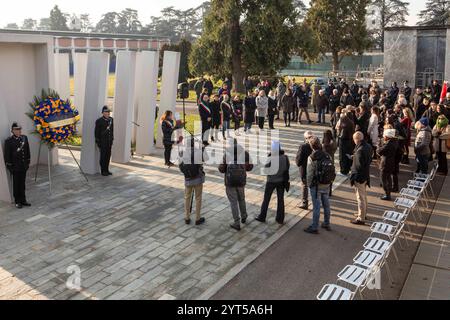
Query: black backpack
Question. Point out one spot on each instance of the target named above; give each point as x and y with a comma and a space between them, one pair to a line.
326, 172
190, 170
236, 175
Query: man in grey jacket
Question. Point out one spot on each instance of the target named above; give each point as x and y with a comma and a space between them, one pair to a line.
422, 145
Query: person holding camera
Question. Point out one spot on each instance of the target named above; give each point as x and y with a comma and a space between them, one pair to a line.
194, 178
236, 163
17, 160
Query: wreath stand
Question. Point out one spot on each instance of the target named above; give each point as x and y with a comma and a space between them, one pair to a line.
50, 166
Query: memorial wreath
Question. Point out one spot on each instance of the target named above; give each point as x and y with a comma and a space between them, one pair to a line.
55, 119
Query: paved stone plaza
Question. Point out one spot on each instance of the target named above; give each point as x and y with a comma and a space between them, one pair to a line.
127, 235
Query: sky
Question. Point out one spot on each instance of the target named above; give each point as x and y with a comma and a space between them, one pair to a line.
18, 10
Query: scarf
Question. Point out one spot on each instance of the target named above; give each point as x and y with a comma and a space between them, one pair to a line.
205, 107
442, 122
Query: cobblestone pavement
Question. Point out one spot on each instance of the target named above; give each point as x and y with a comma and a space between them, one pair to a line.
126, 233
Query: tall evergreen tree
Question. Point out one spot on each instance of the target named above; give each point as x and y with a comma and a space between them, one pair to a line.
109, 23
58, 20
129, 22
436, 13
387, 13
339, 27
252, 35
29, 24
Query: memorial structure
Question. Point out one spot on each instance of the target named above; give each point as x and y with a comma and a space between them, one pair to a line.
417, 54
26, 67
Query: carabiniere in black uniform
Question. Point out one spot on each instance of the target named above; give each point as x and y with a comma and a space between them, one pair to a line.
17, 160
104, 137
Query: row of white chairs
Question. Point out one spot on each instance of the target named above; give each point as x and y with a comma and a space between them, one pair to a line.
367, 265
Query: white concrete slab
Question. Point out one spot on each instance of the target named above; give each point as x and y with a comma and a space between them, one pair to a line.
169, 86
147, 65
62, 75
95, 99
80, 70
123, 106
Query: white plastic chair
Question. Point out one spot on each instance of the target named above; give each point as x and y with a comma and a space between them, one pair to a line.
335, 292
355, 276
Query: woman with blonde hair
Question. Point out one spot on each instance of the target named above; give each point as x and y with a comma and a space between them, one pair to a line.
168, 126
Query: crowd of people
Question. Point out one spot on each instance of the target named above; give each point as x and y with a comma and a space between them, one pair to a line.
367, 123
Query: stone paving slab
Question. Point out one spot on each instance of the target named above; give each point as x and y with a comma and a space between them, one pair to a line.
127, 235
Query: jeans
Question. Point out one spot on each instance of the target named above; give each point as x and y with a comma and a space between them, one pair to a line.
321, 115
261, 122
319, 196
287, 118
304, 110
422, 163
236, 196
270, 187
225, 128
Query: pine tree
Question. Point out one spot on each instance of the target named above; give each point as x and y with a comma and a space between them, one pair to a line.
245, 36
339, 27
436, 13
387, 13
58, 20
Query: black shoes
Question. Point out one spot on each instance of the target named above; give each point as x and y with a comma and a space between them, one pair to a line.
303, 206
358, 222
386, 198
187, 221
19, 206
200, 221
244, 220
110, 173
26, 204
326, 227
105, 174
258, 218
311, 230
236, 226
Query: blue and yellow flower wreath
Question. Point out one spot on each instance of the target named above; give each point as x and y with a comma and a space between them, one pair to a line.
55, 119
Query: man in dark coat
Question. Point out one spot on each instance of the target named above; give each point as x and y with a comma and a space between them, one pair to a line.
345, 129
208, 85
360, 175
436, 90
322, 106
17, 160
387, 153
301, 160
206, 117
104, 137
334, 101
407, 91
362, 122
346, 99
198, 87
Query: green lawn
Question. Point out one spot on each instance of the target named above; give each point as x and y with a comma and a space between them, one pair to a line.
112, 87
190, 119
